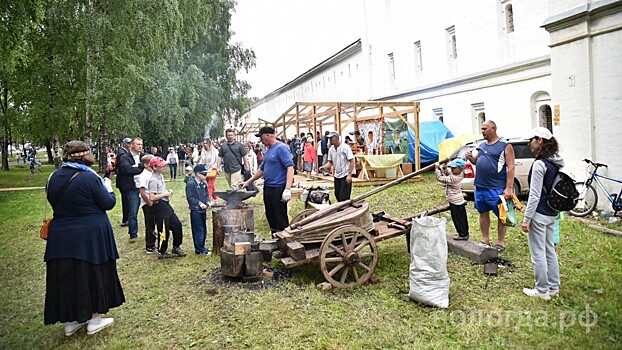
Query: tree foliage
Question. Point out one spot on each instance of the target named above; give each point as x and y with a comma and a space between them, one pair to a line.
101, 70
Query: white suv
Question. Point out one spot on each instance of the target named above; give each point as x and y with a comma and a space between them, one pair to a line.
522, 163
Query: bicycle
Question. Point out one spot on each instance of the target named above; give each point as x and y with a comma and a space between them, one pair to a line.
588, 198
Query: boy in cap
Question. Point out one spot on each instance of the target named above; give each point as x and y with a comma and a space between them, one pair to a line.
142, 181
163, 211
188, 174
198, 199
453, 191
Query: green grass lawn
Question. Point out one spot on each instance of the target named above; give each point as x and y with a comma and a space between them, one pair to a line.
19, 176
179, 304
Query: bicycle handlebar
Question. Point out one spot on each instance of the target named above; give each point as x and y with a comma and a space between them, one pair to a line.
595, 164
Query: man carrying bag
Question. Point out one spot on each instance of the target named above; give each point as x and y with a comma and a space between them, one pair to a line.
231, 156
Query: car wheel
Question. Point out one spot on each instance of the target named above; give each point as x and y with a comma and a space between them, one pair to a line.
516, 188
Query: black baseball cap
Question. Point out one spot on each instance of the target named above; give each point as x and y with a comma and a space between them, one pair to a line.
265, 130
201, 168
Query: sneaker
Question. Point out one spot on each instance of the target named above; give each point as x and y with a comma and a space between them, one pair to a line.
205, 253
73, 327
460, 238
96, 325
535, 293
124, 224
177, 251
553, 292
133, 239
151, 250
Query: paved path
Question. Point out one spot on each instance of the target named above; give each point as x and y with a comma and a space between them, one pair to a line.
21, 188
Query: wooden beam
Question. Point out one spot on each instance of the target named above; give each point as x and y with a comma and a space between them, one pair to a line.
338, 117
314, 135
407, 123
297, 118
397, 113
417, 138
368, 118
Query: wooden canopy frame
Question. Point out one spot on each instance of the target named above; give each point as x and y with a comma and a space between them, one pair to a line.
316, 116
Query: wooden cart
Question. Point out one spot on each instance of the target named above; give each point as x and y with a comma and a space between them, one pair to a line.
343, 238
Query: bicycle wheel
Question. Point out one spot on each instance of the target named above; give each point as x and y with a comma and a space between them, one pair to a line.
588, 198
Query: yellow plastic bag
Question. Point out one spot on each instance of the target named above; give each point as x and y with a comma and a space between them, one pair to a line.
507, 214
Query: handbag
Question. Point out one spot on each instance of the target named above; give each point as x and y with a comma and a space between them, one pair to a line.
43, 232
212, 174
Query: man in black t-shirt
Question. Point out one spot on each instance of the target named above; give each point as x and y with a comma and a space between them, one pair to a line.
232, 157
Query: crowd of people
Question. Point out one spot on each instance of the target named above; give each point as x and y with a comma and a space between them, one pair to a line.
81, 253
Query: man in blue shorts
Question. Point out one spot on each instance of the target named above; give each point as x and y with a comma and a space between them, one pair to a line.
494, 162
277, 170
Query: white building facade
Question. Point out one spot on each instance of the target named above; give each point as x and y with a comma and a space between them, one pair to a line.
521, 63
465, 61
341, 77
586, 74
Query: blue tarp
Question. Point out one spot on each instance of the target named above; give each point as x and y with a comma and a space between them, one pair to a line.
432, 134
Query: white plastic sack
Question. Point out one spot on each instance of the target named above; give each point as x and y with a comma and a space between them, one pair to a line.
429, 280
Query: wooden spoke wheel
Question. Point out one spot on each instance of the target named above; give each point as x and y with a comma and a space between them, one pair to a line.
303, 214
348, 256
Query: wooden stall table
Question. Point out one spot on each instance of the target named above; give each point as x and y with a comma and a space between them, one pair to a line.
379, 164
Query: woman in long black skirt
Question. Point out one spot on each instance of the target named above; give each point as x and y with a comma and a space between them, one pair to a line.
81, 253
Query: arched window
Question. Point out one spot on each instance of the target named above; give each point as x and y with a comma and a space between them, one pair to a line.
509, 18
391, 66
481, 118
546, 117
451, 38
418, 57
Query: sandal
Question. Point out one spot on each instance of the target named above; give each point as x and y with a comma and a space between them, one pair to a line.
486, 244
460, 238
499, 247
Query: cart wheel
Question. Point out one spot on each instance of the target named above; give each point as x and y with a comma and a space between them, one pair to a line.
348, 256
303, 214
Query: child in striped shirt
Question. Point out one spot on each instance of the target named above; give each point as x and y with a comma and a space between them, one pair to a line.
453, 191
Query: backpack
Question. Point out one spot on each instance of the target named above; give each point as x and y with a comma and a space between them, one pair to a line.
318, 195
298, 145
563, 195
324, 145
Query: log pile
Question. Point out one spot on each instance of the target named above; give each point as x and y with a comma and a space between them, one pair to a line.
240, 256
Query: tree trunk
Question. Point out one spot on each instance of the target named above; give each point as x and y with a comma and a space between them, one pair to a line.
91, 81
104, 143
5, 139
11, 143
57, 154
48, 150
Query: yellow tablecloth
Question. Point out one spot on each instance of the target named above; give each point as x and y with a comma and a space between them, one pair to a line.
377, 164
383, 160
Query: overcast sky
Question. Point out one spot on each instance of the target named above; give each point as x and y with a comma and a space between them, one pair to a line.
291, 36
